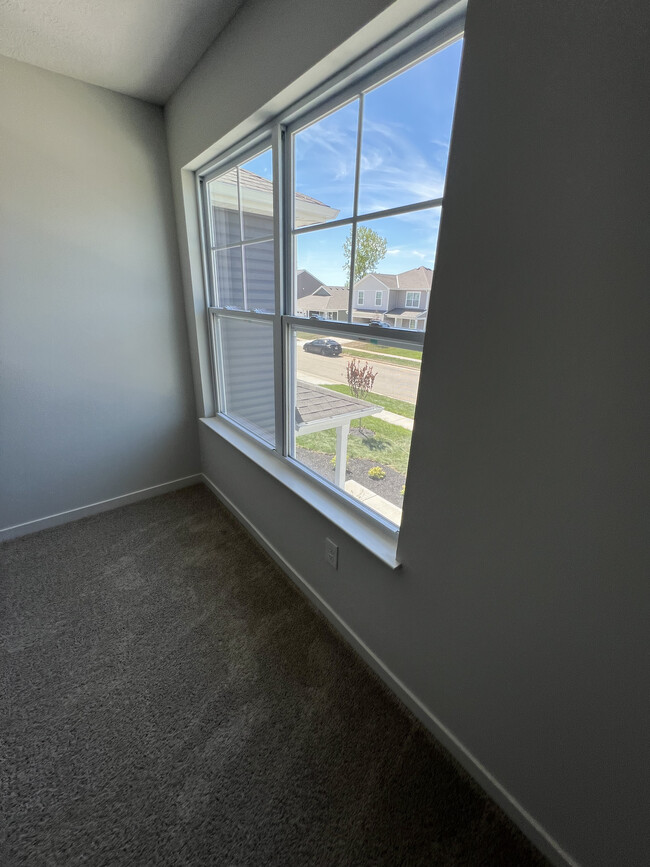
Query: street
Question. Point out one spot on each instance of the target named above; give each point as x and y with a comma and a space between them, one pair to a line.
392, 381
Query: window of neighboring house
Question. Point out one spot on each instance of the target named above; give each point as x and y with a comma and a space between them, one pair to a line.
365, 173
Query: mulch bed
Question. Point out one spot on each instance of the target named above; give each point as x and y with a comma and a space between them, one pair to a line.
389, 488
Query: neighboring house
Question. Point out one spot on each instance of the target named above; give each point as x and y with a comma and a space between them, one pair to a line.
256, 221
306, 283
257, 205
401, 300
330, 302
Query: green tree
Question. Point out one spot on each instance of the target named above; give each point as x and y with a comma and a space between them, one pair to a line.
371, 249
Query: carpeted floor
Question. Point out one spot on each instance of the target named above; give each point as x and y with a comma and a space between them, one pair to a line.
169, 698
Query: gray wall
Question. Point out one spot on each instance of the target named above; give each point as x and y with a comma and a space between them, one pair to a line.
519, 619
95, 384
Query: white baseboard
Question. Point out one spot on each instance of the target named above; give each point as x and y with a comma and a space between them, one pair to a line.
94, 508
527, 824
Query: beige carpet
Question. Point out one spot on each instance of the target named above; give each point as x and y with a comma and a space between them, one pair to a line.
169, 698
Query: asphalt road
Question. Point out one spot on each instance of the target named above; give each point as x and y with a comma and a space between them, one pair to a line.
391, 381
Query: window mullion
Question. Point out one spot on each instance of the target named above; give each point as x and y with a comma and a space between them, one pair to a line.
279, 279
241, 245
353, 233
215, 334
205, 236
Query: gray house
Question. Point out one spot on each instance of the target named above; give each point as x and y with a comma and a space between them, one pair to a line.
255, 193
330, 302
401, 300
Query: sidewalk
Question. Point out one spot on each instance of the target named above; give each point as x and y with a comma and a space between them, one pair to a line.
374, 501
393, 417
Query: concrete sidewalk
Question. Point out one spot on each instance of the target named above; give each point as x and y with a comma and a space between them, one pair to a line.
393, 417
374, 501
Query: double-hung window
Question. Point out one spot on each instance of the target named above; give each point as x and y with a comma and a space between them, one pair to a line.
349, 191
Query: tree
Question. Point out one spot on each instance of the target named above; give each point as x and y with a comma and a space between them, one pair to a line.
371, 249
361, 379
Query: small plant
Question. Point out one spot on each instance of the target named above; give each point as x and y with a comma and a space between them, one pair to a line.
377, 473
361, 379
403, 491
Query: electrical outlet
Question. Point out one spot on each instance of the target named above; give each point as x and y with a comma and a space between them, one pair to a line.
332, 553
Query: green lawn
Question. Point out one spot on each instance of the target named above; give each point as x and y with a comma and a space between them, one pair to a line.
416, 354
401, 407
389, 446
402, 362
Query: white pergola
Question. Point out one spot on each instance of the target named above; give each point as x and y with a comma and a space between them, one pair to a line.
320, 408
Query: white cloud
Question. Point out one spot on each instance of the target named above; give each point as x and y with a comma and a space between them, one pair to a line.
394, 168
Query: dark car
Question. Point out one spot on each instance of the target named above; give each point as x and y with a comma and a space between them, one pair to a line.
323, 346
379, 323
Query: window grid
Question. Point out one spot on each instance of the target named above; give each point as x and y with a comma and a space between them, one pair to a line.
284, 236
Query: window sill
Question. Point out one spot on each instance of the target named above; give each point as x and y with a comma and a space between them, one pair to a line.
360, 526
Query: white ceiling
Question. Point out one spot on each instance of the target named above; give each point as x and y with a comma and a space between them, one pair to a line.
143, 48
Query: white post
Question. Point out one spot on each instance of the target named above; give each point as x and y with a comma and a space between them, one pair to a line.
342, 433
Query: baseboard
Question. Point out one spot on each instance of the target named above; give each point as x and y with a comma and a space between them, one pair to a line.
94, 508
510, 806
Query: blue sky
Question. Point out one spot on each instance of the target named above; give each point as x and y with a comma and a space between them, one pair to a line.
405, 144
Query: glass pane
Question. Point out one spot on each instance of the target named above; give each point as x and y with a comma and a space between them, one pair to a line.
322, 275
406, 132
260, 277
324, 159
224, 210
353, 402
247, 375
228, 278
393, 265
256, 191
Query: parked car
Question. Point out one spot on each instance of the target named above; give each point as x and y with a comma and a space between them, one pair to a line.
323, 346
379, 323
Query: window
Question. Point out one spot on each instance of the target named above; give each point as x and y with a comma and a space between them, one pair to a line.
333, 395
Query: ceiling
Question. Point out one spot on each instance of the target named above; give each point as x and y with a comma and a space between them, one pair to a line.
143, 48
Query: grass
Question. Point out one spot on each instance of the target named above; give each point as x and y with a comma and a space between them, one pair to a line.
390, 446
401, 407
401, 362
416, 354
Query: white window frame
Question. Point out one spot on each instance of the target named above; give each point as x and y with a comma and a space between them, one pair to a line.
416, 295
372, 530
379, 298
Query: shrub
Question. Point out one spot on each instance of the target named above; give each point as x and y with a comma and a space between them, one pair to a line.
377, 473
402, 492
361, 379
